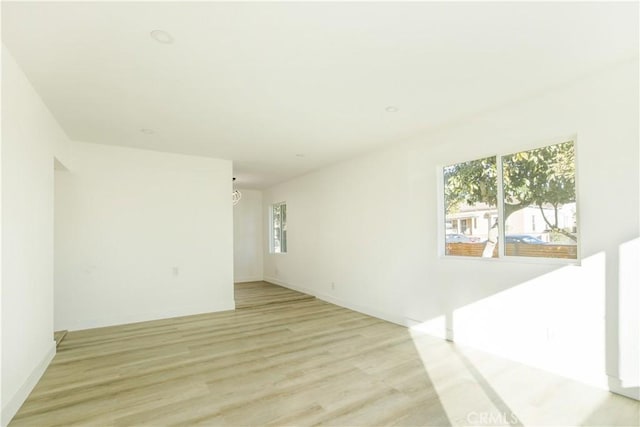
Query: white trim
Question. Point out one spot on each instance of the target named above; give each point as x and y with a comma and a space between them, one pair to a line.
616, 386
516, 260
369, 311
441, 216
248, 279
577, 189
270, 229
14, 403
500, 206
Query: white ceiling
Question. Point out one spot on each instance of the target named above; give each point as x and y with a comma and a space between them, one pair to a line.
260, 83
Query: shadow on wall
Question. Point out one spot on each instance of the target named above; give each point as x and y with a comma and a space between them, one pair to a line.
566, 321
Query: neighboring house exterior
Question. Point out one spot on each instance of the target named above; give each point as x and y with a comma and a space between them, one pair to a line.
475, 221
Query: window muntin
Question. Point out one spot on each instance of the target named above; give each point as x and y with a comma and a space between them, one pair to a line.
536, 194
278, 234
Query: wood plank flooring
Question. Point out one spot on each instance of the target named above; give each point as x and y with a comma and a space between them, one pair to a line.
253, 294
303, 362
58, 336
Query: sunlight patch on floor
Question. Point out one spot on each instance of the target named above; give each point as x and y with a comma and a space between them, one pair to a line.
476, 388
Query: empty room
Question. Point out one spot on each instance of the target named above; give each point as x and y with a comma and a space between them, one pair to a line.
320, 213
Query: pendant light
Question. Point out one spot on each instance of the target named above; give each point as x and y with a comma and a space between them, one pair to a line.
236, 195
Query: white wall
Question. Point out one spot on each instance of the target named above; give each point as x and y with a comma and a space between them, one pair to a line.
370, 227
247, 237
140, 235
29, 133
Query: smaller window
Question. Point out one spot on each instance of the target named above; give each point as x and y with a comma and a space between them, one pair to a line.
278, 229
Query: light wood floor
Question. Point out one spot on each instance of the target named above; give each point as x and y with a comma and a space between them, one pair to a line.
303, 362
253, 294
58, 336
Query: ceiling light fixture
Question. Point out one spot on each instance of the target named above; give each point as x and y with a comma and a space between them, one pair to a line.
391, 109
147, 131
161, 36
236, 195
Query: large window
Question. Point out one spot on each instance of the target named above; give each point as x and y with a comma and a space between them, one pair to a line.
521, 205
278, 234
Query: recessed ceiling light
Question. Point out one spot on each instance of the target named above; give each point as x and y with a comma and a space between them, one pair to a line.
147, 131
391, 109
162, 36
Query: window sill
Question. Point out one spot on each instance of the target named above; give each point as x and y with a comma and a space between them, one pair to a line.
515, 260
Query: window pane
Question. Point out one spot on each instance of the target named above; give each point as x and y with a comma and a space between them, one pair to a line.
275, 232
278, 228
470, 194
283, 228
540, 184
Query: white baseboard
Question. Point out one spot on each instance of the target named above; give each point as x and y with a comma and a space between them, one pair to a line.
369, 311
248, 279
14, 402
616, 386
398, 320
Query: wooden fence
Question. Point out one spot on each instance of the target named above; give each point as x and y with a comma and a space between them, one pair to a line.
515, 249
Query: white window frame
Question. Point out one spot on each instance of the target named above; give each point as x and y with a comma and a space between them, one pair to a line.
502, 257
272, 249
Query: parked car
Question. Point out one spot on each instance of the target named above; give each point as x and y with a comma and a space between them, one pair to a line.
523, 238
457, 238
